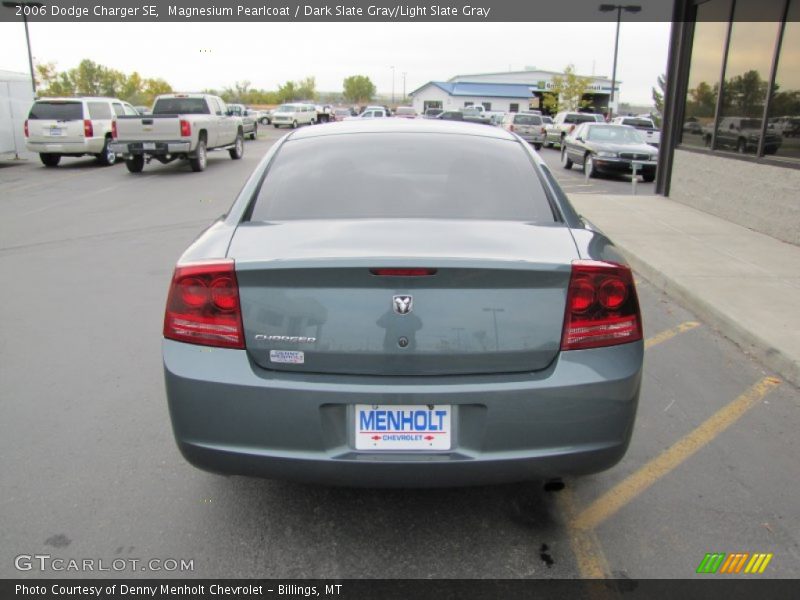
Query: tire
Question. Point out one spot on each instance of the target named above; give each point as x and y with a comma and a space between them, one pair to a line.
254, 135
537, 146
237, 151
561, 141
588, 166
548, 144
276, 126
200, 160
741, 147
135, 164
566, 161
649, 177
106, 157
707, 141
50, 160
294, 124
313, 122
264, 121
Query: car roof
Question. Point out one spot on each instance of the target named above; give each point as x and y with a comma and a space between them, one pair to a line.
402, 126
75, 98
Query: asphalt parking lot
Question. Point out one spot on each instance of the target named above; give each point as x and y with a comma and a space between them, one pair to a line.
91, 469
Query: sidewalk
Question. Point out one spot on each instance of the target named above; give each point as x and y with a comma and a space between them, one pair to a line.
743, 283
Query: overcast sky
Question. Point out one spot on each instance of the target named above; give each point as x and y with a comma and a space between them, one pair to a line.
193, 56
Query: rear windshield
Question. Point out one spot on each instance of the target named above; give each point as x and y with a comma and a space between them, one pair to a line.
528, 120
402, 175
578, 118
181, 106
639, 123
58, 111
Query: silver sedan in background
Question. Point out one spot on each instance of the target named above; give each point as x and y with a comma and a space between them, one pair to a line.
402, 303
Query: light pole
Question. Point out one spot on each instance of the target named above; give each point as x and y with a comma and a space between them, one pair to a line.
404, 87
631, 8
27, 36
392, 85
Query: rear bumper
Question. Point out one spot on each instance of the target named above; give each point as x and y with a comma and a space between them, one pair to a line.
230, 416
154, 148
67, 148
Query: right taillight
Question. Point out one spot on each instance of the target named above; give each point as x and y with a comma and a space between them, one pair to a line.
602, 307
511, 127
114, 129
203, 305
186, 128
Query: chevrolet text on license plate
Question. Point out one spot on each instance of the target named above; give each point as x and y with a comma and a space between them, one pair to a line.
404, 427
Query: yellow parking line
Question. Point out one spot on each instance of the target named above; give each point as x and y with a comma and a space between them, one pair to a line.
670, 333
621, 494
588, 553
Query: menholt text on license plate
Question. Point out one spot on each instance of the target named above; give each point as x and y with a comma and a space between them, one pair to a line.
403, 427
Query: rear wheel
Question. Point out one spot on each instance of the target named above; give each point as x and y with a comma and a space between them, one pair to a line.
566, 161
135, 164
50, 160
264, 121
537, 146
276, 126
649, 177
200, 160
741, 147
237, 151
254, 135
107, 157
294, 124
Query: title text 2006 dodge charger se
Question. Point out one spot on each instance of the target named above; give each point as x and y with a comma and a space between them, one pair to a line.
402, 303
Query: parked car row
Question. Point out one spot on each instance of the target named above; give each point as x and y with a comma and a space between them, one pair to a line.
179, 126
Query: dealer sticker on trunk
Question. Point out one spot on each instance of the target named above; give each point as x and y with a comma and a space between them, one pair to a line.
402, 427
293, 357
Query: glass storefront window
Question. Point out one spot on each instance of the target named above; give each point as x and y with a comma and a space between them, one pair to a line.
708, 47
784, 111
747, 73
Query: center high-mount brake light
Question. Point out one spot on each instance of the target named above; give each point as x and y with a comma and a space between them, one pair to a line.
602, 307
203, 305
403, 272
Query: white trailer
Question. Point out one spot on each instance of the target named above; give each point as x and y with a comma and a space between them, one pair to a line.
16, 97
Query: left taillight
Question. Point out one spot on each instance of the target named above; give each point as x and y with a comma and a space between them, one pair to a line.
27, 132
602, 307
186, 128
113, 130
203, 305
88, 128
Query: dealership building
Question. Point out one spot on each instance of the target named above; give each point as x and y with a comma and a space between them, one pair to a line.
731, 138
511, 91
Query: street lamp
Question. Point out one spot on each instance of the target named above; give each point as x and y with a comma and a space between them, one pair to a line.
392, 85
22, 5
404, 87
631, 8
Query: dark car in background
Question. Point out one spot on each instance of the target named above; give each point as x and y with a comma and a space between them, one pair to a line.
432, 113
743, 134
402, 303
450, 115
610, 149
249, 119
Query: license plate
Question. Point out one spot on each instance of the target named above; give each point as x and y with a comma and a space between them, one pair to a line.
148, 146
404, 427
55, 131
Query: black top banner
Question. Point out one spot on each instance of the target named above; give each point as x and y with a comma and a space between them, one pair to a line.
324, 11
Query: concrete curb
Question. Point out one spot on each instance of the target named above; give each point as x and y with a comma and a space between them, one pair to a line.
749, 341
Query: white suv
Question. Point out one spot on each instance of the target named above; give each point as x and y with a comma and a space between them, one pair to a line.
293, 115
59, 127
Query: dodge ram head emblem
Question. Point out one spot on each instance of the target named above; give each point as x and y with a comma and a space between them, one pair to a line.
402, 304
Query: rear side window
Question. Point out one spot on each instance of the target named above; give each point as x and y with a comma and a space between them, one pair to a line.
57, 111
99, 110
420, 175
118, 110
180, 106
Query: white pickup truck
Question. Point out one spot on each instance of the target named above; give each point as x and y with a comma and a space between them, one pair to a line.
644, 124
181, 126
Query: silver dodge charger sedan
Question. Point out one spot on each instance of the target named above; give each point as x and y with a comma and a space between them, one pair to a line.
402, 303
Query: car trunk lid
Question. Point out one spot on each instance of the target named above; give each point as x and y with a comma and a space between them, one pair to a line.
335, 297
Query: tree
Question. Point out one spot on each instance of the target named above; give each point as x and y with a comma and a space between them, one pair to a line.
307, 88
658, 96
287, 92
745, 95
568, 91
358, 89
